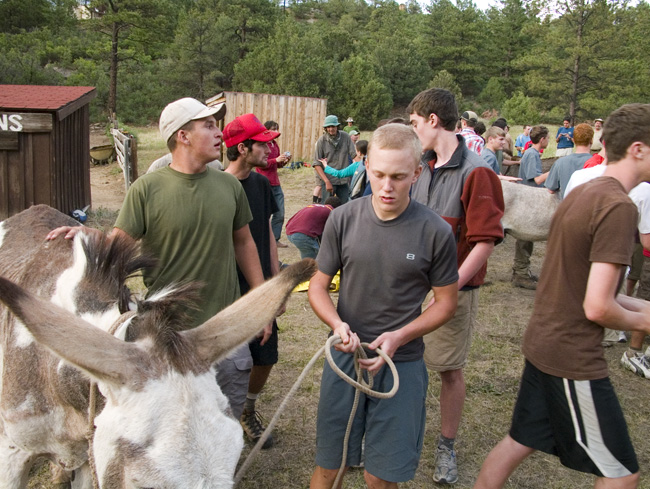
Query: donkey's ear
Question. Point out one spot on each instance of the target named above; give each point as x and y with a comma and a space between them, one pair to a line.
91, 349
241, 321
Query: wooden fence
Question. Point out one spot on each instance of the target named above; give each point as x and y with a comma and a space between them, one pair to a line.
300, 118
126, 149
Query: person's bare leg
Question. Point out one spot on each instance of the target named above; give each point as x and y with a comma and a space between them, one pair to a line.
376, 483
500, 463
324, 478
636, 340
627, 482
452, 400
259, 375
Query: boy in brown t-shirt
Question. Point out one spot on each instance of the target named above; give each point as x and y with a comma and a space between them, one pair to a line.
566, 405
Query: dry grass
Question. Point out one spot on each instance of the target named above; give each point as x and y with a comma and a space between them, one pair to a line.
492, 378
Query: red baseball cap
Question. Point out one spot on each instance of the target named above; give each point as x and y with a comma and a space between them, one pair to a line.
245, 127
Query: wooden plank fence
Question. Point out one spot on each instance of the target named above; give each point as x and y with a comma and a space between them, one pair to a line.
300, 118
126, 149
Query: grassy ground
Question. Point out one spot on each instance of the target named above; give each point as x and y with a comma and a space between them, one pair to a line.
492, 378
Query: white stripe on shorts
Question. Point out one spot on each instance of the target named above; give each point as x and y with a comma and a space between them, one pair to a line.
595, 446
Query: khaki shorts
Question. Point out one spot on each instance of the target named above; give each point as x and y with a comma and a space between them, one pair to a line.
447, 347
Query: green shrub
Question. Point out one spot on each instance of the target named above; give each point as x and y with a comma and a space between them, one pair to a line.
521, 109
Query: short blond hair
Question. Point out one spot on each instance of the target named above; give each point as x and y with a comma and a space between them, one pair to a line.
494, 132
396, 136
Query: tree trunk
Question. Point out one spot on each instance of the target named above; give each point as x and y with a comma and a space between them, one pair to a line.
112, 91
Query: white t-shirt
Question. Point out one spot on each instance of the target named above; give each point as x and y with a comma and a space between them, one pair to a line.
640, 194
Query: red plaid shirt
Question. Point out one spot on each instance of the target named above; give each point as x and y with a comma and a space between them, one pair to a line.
473, 141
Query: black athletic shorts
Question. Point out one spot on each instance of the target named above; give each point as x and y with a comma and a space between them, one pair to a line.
580, 421
266, 354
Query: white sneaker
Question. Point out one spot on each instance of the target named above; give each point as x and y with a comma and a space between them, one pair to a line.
446, 471
639, 364
621, 337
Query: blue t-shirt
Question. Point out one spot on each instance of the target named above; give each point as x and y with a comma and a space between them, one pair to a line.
564, 141
530, 167
491, 159
520, 142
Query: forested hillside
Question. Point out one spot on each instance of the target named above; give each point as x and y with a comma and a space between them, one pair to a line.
529, 61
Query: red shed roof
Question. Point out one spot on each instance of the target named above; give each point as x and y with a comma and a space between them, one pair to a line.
41, 97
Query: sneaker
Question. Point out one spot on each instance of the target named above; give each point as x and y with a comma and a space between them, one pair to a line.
524, 282
446, 469
621, 337
281, 244
252, 423
639, 364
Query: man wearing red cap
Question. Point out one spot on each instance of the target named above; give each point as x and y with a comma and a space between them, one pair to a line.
247, 141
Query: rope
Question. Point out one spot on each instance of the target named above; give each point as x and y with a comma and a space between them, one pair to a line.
360, 385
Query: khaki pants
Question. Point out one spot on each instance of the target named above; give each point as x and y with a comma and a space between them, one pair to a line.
523, 250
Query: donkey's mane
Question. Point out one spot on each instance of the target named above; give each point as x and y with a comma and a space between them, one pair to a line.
162, 318
111, 261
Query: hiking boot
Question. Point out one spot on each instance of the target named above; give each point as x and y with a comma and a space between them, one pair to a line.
446, 469
524, 282
252, 423
639, 364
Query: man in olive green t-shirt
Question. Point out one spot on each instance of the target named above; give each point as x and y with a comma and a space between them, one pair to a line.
194, 220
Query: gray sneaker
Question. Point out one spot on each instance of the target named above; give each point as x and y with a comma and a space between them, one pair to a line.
446, 469
639, 364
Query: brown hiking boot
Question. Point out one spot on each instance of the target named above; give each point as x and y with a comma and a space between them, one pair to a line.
524, 282
253, 426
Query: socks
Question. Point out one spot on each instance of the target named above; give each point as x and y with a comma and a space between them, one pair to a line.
249, 405
633, 351
448, 443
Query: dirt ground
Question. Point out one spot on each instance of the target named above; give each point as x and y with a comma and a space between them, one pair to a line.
492, 375
106, 181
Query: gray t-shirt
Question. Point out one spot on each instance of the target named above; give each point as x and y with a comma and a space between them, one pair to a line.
530, 167
491, 159
562, 169
387, 267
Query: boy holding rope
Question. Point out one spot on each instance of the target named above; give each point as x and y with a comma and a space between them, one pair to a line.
391, 252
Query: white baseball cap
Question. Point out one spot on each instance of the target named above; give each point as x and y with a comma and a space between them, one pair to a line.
184, 110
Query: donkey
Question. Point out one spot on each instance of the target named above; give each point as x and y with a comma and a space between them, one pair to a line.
164, 422
528, 211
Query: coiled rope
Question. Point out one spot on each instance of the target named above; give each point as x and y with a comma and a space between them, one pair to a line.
359, 384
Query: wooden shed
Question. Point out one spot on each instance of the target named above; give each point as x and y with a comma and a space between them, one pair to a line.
44, 147
300, 118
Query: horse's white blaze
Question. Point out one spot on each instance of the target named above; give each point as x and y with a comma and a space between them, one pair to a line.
69, 279
179, 423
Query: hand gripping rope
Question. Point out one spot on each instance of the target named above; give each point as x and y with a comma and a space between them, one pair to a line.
360, 385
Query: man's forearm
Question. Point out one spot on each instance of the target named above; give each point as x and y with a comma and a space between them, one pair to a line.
474, 261
320, 300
